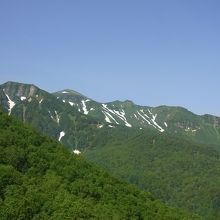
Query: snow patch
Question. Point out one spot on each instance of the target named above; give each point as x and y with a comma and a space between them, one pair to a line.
111, 126
109, 115
64, 92
23, 98
144, 113
63, 101
124, 118
71, 103
41, 101
155, 123
153, 119
150, 112
57, 117
191, 129
108, 111
76, 152
100, 126
107, 118
62, 134
84, 107
165, 124
10, 102
144, 118
119, 114
104, 106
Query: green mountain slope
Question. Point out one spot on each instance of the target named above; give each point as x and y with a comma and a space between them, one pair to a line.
182, 173
39, 179
66, 110
47, 113
173, 120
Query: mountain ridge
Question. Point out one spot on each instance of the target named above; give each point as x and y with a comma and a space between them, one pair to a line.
106, 102
131, 101
172, 119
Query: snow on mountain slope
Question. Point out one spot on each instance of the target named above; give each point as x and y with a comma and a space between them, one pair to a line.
10, 102
23, 98
114, 113
59, 111
84, 108
62, 134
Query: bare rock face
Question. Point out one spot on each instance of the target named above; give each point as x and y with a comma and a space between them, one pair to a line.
3, 101
18, 90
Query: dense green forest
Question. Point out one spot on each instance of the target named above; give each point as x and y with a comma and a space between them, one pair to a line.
182, 173
40, 179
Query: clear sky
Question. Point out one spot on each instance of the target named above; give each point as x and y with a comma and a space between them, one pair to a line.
153, 52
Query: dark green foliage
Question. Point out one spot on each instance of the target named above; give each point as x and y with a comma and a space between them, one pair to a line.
39, 179
182, 173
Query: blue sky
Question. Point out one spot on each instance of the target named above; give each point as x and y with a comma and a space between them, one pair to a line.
153, 52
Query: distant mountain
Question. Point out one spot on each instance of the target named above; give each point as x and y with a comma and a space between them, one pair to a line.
174, 120
47, 113
27, 101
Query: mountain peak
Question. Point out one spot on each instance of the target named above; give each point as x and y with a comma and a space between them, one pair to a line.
16, 89
13, 83
127, 101
70, 95
70, 92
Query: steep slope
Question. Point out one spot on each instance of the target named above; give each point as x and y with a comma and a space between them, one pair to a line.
47, 113
182, 173
39, 179
62, 113
174, 120
121, 113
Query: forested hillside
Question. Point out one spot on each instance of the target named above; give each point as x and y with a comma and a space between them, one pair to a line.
39, 179
180, 172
